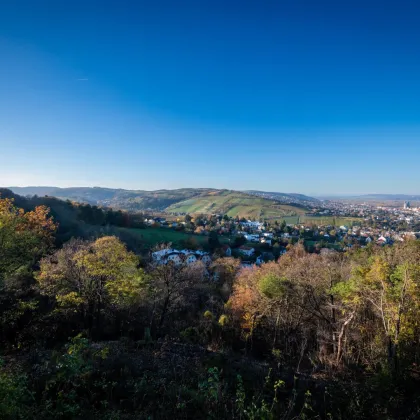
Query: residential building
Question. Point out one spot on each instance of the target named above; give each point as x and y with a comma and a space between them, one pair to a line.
246, 250
178, 257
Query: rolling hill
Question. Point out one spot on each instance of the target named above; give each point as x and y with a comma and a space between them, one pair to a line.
234, 203
186, 200
130, 200
292, 198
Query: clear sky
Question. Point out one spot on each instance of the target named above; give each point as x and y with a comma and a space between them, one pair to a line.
317, 97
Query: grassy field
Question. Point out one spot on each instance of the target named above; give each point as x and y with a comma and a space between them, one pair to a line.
243, 205
328, 220
317, 220
290, 220
312, 244
235, 204
153, 236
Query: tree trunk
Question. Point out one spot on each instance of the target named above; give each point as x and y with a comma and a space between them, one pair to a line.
275, 329
164, 310
340, 337
392, 357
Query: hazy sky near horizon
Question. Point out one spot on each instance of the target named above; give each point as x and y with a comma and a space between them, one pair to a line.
293, 96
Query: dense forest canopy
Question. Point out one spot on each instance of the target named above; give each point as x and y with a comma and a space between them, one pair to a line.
91, 329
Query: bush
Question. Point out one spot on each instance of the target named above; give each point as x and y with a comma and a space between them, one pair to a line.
14, 396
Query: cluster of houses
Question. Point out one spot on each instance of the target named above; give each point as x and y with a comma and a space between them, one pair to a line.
153, 220
261, 237
378, 236
188, 257
179, 257
252, 225
381, 227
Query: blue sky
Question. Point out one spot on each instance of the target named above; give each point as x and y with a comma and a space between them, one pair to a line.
294, 96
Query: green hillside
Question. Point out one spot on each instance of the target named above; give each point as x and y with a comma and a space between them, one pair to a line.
234, 204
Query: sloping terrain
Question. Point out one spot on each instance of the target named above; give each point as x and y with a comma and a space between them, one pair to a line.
185, 200
290, 198
130, 200
234, 203
84, 221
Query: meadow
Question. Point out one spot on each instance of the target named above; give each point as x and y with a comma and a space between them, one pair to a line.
328, 220
153, 236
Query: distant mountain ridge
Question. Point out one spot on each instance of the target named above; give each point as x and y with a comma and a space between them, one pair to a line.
374, 197
131, 200
205, 200
396, 197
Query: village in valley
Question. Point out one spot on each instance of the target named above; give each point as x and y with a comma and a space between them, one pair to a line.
255, 242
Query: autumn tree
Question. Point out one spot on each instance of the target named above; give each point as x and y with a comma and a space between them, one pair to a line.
294, 302
387, 283
24, 237
91, 276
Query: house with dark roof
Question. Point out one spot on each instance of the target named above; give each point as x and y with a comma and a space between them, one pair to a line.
246, 250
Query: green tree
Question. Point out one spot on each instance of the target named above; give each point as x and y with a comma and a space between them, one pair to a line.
283, 226
213, 240
239, 241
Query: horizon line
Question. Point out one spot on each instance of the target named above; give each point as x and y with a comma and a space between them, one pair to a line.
314, 195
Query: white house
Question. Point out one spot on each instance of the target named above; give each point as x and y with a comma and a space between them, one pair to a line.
184, 256
265, 241
161, 254
246, 250
206, 259
174, 257
268, 235
252, 237
190, 259
253, 225
193, 256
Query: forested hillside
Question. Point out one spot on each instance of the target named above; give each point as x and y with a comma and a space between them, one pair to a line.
130, 200
89, 329
77, 219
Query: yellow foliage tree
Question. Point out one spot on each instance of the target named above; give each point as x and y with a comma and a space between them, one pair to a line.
92, 276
